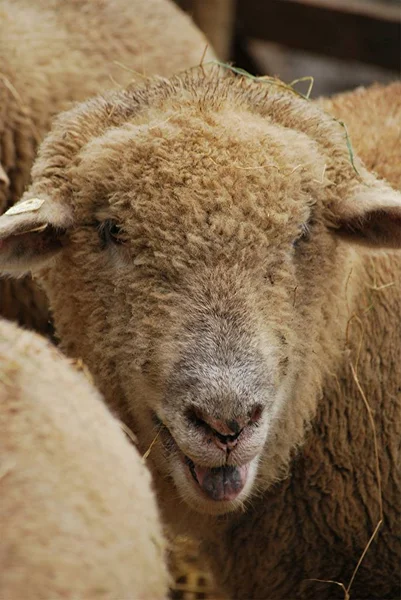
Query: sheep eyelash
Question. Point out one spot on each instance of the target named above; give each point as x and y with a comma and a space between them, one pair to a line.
304, 233
113, 246
109, 233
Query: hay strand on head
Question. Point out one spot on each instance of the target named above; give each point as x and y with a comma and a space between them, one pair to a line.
301, 79
203, 56
349, 145
289, 87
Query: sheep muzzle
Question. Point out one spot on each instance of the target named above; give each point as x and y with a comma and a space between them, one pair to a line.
219, 483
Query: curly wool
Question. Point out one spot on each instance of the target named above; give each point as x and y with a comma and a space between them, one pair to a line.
54, 53
210, 179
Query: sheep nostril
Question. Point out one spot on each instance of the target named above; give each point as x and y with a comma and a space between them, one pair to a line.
224, 433
195, 417
256, 414
226, 442
220, 427
234, 426
228, 427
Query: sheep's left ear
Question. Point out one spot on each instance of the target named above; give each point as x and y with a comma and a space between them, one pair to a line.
31, 233
370, 215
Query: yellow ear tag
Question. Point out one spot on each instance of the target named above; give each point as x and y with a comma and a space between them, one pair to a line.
30, 205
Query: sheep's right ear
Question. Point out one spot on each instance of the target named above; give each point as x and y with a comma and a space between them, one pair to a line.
31, 233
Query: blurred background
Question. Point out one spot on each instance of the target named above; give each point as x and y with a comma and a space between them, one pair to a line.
342, 44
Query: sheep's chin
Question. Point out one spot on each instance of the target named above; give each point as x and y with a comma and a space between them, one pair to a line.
208, 489
184, 474
197, 499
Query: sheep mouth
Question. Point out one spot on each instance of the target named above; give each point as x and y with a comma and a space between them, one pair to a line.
218, 483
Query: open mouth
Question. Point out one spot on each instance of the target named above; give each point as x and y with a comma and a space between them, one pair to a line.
218, 483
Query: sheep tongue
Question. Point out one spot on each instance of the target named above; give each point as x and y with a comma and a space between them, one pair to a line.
222, 483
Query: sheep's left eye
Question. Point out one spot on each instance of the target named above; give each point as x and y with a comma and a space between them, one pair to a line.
110, 233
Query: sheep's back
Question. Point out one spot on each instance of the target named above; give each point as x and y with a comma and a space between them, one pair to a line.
77, 514
373, 119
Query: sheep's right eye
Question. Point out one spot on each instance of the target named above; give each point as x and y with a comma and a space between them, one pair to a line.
303, 234
110, 233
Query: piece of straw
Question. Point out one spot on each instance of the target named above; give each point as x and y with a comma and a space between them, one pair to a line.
378, 475
22, 105
349, 145
289, 88
341, 585
306, 78
145, 456
129, 433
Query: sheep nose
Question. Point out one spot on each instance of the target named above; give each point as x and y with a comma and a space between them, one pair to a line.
225, 432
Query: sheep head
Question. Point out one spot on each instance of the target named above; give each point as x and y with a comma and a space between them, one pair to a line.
195, 238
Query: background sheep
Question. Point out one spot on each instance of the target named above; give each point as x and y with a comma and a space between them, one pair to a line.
78, 518
210, 236
53, 52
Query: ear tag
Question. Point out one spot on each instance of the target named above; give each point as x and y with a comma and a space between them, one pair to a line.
31, 205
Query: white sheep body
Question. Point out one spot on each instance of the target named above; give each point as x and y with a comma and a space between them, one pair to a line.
78, 518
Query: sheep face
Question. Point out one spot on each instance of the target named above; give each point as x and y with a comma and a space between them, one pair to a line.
199, 268
190, 265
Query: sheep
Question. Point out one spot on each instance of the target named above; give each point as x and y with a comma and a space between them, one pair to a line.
365, 111
215, 250
78, 518
54, 52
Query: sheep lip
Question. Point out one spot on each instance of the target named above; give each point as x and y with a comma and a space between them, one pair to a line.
191, 466
221, 484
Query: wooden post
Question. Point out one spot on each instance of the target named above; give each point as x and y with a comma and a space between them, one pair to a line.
216, 19
369, 32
